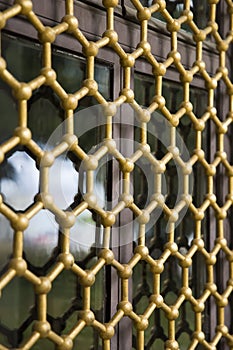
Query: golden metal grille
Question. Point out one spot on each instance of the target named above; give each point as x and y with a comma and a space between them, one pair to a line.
22, 136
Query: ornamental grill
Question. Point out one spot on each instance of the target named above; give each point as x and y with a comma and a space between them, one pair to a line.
134, 279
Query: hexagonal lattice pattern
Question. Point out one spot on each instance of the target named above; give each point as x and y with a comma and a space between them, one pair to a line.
158, 295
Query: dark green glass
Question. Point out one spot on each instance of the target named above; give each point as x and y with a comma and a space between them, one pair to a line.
19, 183
199, 8
156, 236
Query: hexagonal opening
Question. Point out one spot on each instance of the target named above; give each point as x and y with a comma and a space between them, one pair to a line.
185, 325
221, 278
86, 338
221, 184
184, 340
19, 181
63, 182
6, 241
184, 232
199, 184
28, 63
85, 235
89, 124
65, 303
69, 65
8, 107
21, 295
44, 115
142, 286
60, 298
198, 274
171, 280
144, 183
40, 238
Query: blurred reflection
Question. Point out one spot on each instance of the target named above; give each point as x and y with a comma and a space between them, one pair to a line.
19, 184
176, 7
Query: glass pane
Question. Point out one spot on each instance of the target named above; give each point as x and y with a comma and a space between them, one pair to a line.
67, 68
20, 183
28, 64
157, 234
8, 107
200, 9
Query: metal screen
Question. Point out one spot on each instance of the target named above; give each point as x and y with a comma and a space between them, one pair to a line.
209, 248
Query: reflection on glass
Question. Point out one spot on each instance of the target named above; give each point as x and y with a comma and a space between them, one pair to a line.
19, 184
176, 7
171, 278
8, 107
71, 74
14, 185
28, 64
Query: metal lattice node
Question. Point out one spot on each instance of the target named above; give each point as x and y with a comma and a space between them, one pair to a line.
22, 135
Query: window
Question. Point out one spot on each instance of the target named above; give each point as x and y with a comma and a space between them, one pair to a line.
115, 174
171, 281
20, 183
